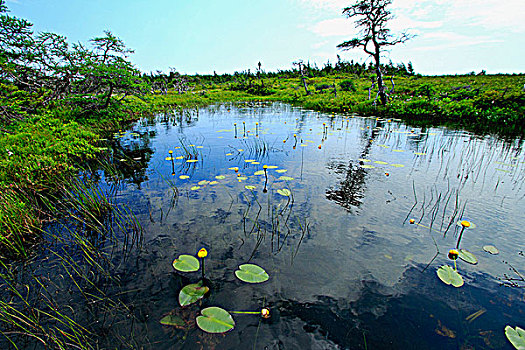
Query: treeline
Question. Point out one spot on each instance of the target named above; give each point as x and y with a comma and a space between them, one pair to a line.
39, 70
161, 82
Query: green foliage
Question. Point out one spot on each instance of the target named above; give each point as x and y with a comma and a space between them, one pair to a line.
450, 276
215, 320
348, 85
192, 293
252, 88
186, 263
468, 257
251, 273
172, 320
516, 337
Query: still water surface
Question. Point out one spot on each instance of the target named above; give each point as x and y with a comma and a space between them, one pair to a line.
347, 269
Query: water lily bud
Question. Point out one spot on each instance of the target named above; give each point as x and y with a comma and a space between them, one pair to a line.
265, 313
319, 146
453, 254
412, 221
170, 151
465, 223
265, 166
202, 253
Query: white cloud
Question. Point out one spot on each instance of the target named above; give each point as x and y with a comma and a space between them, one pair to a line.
325, 4
319, 44
488, 14
334, 27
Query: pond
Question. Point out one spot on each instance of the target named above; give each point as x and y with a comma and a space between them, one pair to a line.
350, 217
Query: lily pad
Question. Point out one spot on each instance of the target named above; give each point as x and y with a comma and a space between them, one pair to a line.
280, 171
516, 337
184, 177
192, 293
195, 188
249, 160
467, 256
172, 320
272, 166
220, 177
284, 192
286, 178
450, 276
241, 178
186, 263
364, 160
397, 165
169, 158
215, 320
192, 160
179, 157
491, 249
250, 187
380, 162
203, 182
366, 166
251, 273
214, 182
259, 172
419, 153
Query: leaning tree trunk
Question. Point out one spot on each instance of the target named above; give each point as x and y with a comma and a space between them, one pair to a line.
380, 83
108, 97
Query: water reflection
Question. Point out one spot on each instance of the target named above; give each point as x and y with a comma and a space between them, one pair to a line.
346, 268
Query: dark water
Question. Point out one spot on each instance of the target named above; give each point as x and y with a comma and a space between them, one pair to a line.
347, 269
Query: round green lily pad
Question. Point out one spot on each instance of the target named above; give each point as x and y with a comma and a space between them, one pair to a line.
191, 293
215, 320
251, 273
516, 337
186, 263
467, 256
284, 192
286, 178
450, 276
250, 187
491, 249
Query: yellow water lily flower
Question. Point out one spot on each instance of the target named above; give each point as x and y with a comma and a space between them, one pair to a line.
202, 253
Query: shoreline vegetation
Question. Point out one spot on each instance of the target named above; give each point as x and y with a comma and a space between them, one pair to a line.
43, 150
59, 100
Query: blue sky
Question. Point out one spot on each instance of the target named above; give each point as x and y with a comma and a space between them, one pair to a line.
202, 36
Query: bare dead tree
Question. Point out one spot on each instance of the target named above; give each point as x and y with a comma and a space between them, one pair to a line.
300, 65
371, 17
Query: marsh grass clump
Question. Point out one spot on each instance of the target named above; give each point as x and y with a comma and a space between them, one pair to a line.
74, 264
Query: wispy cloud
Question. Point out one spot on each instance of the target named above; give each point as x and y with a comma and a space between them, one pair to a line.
488, 14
